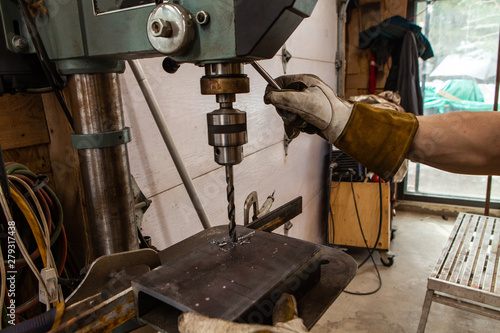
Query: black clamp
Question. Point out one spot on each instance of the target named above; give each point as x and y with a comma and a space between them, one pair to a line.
101, 140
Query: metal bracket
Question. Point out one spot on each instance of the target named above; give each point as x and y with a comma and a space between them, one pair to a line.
286, 143
101, 140
141, 202
288, 226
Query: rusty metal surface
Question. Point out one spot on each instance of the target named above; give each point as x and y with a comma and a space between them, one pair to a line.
102, 317
103, 269
97, 108
278, 217
224, 85
232, 283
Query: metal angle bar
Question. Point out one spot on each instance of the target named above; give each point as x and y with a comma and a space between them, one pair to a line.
278, 217
469, 307
103, 317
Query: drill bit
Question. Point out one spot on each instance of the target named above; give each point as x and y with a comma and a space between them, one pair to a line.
230, 203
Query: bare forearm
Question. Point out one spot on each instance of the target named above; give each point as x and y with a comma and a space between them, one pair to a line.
461, 142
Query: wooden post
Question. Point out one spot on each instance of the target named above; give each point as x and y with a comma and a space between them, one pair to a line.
495, 108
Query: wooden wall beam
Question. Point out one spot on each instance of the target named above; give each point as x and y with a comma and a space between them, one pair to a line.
22, 121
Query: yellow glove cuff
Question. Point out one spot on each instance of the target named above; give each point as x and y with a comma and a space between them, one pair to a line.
377, 138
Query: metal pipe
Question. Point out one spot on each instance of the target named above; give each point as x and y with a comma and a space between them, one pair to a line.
154, 107
97, 108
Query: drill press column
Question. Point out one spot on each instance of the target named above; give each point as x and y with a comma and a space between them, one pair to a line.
227, 127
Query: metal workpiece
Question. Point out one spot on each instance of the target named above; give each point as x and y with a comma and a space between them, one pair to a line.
97, 108
242, 283
170, 29
235, 284
276, 218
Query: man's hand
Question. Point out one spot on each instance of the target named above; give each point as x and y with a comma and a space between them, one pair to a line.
308, 104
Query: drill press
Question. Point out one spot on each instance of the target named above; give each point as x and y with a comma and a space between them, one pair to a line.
227, 127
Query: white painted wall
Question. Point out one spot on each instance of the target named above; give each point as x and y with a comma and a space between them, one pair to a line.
265, 168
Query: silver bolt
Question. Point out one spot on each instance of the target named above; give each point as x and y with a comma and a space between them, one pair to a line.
161, 28
19, 43
202, 17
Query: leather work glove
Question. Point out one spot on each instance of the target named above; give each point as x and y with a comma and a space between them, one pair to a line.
378, 138
309, 105
285, 320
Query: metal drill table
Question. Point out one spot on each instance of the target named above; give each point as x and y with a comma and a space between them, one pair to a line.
466, 274
182, 268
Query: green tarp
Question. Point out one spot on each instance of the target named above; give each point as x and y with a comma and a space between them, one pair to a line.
455, 95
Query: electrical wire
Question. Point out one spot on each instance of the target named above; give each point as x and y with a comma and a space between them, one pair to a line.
42, 199
370, 250
49, 257
33, 223
20, 169
20, 243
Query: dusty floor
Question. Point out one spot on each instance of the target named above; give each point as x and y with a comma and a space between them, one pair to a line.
396, 308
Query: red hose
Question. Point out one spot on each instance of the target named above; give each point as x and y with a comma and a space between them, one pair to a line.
373, 76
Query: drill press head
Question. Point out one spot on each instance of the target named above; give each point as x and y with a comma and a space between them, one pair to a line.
208, 31
222, 35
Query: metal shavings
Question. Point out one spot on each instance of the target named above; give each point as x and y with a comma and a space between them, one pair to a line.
245, 239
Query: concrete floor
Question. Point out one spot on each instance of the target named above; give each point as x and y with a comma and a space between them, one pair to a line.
396, 308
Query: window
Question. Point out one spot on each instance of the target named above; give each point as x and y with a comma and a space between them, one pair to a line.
464, 35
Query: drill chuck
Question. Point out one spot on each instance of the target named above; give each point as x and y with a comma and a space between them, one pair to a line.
227, 133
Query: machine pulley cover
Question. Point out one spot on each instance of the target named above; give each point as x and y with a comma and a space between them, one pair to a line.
170, 29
